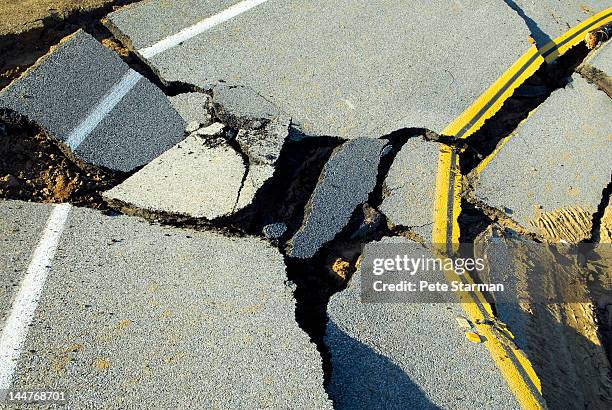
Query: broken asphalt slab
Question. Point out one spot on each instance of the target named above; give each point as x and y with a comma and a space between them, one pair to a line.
197, 178
204, 176
341, 68
550, 174
409, 187
138, 315
192, 107
105, 114
397, 356
346, 181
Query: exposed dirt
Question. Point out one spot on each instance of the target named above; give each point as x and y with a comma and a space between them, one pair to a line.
33, 168
28, 29
562, 340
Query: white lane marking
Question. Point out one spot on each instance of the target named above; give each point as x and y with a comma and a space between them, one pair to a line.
22, 312
199, 28
102, 109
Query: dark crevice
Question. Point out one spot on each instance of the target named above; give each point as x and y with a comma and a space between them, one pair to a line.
515, 109
601, 209
472, 222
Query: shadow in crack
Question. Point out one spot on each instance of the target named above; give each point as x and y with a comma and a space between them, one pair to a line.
364, 379
540, 37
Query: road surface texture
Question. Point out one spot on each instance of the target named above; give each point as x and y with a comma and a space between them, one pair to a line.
323, 106
100, 109
563, 151
409, 187
397, 356
340, 68
547, 19
134, 314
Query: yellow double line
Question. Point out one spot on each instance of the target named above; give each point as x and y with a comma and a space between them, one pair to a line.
514, 366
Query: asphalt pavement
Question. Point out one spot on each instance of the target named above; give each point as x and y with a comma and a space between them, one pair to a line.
340, 68
139, 315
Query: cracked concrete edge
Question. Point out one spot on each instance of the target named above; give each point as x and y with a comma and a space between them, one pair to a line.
595, 76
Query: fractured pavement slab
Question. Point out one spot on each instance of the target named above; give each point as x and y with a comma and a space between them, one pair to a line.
346, 181
86, 98
409, 187
139, 315
549, 175
192, 107
203, 176
341, 68
548, 19
198, 177
397, 356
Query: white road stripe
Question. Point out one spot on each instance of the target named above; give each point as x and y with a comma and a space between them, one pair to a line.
199, 28
22, 312
102, 109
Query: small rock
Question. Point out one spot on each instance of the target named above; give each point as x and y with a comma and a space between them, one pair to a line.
11, 181
212, 130
275, 230
192, 126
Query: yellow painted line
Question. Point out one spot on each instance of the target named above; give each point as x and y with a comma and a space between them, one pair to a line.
513, 364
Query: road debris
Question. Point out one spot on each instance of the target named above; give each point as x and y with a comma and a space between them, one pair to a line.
192, 179
193, 107
346, 181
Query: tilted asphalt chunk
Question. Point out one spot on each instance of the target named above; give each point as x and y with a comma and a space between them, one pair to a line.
104, 113
346, 181
192, 107
410, 187
194, 178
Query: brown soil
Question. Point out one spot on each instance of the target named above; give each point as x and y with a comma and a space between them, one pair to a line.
33, 168
28, 28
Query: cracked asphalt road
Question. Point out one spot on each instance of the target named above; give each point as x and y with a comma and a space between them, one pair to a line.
126, 313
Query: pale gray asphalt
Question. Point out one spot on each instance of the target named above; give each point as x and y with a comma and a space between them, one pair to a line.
348, 69
399, 356
548, 19
183, 319
163, 17
410, 187
558, 158
20, 228
61, 91
345, 182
